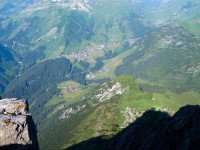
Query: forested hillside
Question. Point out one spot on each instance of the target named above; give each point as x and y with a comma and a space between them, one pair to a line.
50, 72
9, 67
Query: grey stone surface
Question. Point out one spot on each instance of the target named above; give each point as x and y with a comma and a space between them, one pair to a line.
13, 106
16, 124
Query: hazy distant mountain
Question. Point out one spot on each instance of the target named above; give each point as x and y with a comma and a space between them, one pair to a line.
152, 2
64, 26
164, 12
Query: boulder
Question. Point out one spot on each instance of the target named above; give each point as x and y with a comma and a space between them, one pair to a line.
17, 129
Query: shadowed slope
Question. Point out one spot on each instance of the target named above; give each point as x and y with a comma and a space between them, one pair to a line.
154, 131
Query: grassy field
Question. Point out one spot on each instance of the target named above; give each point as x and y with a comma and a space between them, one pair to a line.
192, 26
69, 97
66, 96
174, 101
110, 65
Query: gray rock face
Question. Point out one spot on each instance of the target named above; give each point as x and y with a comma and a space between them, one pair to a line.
16, 125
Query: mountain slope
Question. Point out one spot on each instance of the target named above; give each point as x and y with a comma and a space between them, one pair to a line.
113, 37
154, 130
163, 12
64, 26
40, 76
10, 7
168, 57
8, 67
104, 111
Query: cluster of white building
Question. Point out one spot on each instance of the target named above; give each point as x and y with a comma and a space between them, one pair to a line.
98, 47
79, 56
82, 55
90, 75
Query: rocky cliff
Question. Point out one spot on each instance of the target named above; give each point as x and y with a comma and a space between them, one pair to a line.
17, 129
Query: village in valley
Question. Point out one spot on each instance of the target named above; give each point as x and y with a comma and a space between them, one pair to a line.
90, 55
82, 55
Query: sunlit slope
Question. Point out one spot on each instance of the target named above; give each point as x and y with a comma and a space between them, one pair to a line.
104, 111
100, 112
64, 27
167, 57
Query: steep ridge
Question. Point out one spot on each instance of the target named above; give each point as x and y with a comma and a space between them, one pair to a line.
104, 111
17, 128
178, 132
154, 130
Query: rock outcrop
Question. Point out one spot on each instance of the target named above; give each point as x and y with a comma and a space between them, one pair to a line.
17, 129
